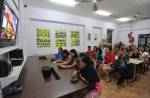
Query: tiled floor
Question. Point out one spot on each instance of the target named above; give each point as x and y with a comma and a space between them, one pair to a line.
139, 89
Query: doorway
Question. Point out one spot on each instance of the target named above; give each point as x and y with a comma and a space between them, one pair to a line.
109, 35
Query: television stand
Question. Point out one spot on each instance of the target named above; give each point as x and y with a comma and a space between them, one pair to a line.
13, 76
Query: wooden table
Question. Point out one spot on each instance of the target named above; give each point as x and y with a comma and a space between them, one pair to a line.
35, 86
135, 62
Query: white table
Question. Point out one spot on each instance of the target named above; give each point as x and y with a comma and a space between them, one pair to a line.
135, 62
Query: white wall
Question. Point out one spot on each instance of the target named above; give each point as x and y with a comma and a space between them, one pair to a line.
40, 14
140, 27
53, 26
96, 31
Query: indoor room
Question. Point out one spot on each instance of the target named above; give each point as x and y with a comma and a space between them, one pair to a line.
74, 49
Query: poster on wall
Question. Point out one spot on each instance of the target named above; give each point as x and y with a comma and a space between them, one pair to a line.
131, 38
60, 38
75, 38
60, 42
89, 36
95, 37
43, 38
75, 42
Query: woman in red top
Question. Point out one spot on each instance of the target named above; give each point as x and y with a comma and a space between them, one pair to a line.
89, 51
94, 53
108, 61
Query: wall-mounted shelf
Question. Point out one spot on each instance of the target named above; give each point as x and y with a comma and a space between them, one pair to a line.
13, 76
7, 49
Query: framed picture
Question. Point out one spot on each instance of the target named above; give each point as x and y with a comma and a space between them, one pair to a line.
131, 39
89, 36
95, 37
16, 3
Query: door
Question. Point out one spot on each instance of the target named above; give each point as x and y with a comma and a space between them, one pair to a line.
144, 40
109, 35
148, 42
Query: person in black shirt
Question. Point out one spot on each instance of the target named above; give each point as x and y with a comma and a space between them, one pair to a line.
122, 67
77, 65
99, 54
88, 74
135, 54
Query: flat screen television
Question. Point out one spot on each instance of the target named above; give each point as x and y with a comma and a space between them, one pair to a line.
1, 10
8, 26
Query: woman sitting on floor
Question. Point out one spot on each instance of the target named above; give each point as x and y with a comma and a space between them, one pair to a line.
89, 75
71, 62
59, 55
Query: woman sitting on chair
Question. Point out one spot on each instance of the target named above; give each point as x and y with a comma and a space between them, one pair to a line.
88, 74
135, 54
94, 53
59, 55
108, 62
66, 56
122, 62
70, 62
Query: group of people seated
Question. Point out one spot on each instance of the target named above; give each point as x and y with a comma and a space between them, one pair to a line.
87, 65
84, 68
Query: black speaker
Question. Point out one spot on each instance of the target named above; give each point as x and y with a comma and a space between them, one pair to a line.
5, 67
16, 62
46, 71
18, 53
16, 57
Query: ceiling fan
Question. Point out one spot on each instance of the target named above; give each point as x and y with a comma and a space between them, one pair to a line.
94, 2
137, 16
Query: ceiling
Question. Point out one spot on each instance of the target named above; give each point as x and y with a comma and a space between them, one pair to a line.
118, 8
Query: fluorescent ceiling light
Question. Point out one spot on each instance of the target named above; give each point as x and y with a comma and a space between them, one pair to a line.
103, 13
65, 2
124, 19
